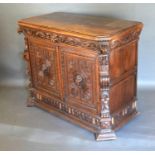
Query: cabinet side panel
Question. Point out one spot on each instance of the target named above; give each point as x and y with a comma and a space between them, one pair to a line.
122, 93
123, 76
123, 60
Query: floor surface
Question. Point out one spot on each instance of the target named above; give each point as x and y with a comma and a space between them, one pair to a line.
30, 128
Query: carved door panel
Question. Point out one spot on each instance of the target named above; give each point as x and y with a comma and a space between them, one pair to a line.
80, 78
45, 62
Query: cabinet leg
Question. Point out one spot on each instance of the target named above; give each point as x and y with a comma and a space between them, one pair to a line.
105, 136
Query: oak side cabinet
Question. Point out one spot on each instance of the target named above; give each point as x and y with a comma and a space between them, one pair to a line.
83, 68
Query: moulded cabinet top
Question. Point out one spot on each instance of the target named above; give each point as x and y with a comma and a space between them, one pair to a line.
80, 25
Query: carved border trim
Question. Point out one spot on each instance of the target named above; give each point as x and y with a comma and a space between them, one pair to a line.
126, 111
104, 124
133, 35
60, 38
67, 109
99, 46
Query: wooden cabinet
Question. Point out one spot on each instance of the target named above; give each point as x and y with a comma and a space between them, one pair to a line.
83, 69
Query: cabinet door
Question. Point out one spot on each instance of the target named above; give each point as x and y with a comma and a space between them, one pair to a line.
45, 62
80, 78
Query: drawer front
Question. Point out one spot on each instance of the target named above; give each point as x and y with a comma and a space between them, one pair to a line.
45, 62
80, 78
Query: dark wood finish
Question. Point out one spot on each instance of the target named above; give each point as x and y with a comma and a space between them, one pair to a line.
83, 69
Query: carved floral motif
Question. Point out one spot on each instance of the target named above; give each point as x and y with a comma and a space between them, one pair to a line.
78, 71
44, 68
59, 38
99, 46
79, 80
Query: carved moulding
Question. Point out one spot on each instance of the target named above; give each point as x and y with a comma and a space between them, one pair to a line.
60, 38
75, 41
65, 108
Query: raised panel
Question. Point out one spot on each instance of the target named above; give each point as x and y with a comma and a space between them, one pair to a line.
129, 57
45, 62
116, 66
122, 93
123, 59
81, 83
